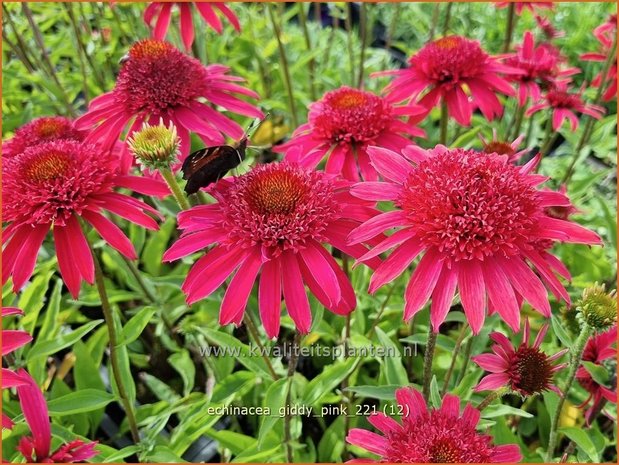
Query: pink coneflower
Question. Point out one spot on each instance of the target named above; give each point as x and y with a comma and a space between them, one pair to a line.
38, 131
531, 6
343, 124
525, 369
425, 435
605, 34
161, 12
564, 104
540, 66
37, 447
501, 147
158, 82
477, 220
275, 219
11, 340
598, 349
56, 128
55, 185
443, 69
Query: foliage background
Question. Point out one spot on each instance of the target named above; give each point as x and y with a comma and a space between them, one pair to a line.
83, 43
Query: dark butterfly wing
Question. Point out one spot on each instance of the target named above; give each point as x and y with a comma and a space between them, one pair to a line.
207, 165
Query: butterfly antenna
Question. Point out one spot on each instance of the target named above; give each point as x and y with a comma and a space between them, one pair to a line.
254, 125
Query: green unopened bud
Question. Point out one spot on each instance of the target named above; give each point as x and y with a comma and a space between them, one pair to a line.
598, 308
155, 147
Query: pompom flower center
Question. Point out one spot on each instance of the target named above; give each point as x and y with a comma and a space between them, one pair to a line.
279, 206
450, 58
276, 193
348, 115
49, 182
49, 165
156, 76
52, 127
562, 99
531, 372
470, 205
443, 451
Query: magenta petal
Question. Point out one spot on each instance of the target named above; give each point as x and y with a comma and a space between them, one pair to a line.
384, 423
451, 406
187, 32
66, 260
376, 191
367, 440
111, 233
35, 411
389, 164
374, 226
207, 12
443, 297
163, 22
294, 293
10, 379
235, 299
208, 273
422, 282
322, 272
490, 362
27, 258
270, 297
472, 293
502, 295
492, 382
412, 401
13, 340
509, 453
526, 282
191, 243
81, 250
395, 265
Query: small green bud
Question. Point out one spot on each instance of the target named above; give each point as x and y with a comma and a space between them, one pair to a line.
598, 308
156, 146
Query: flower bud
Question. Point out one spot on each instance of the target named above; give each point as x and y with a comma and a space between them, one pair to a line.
155, 146
598, 308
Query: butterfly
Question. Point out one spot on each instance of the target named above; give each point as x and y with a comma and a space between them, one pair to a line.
208, 165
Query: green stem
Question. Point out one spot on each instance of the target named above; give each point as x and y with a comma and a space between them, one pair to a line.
308, 43
284, 63
575, 359
494, 395
549, 138
113, 341
428, 357
364, 40
253, 332
447, 18
292, 367
518, 120
433, 24
443, 123
511, 22
586, 134
349, 43
175, 188
393, 25
454, 357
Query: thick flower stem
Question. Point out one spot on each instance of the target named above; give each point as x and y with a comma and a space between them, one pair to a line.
170, 179
587, 131
575, 359
454, 357
292, 367
518, 120
494, 395
550, 138
428, 356
511, 22
113, 340
443, 124
363, 30
308, 43
284, 63
447, 17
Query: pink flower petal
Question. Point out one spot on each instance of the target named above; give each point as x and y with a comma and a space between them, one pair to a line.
422, 282
270, 297
237, 294
294, 293
472, 293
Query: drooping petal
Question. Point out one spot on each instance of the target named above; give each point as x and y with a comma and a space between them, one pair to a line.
237, 294
270, 297
294, 293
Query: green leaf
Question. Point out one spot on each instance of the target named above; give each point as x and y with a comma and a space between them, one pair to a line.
582, 440
326, 381
435, 394
500, 410
45, 348
395, 373
49, 327
561, 333
183, 364
598, 372
134, 327
375, 392
274, 399
84, 400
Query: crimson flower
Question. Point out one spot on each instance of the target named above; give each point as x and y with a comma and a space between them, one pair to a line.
501, 147
443, 69
39, 130
540, 66
598, 349
274, 219
550, 32
343, 124
56, 185
479, 224
563, 104
161, 12
11, 340
605, 33
36, 448
525, 369
158, 82
531, 6
442, 435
